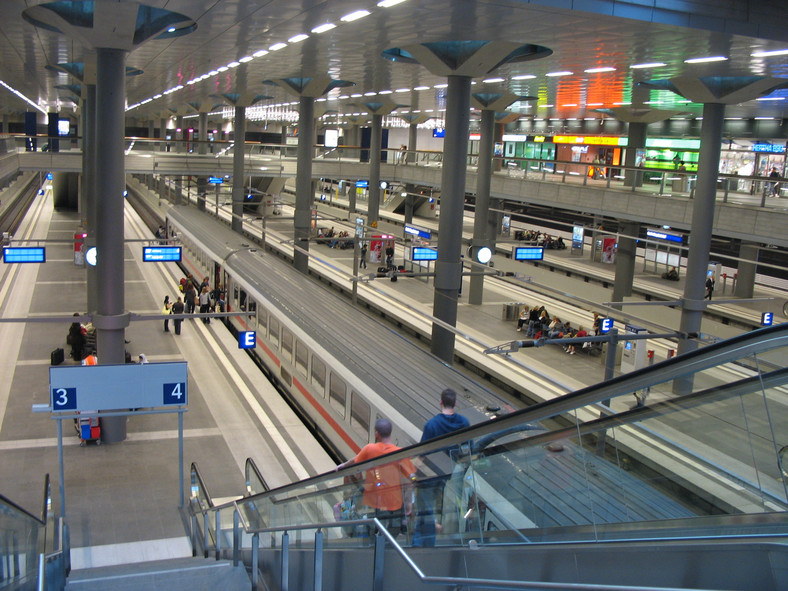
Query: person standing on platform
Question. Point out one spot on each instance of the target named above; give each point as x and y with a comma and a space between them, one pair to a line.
76, 338
709, 288
142, 359
383, 484
91, 359
178, 308
217, 297
166, 309
205, 303
447, 421
189, 297
362, 264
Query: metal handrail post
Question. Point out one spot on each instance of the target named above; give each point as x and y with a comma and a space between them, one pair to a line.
193, 535
236, 536
255, 559
218, 523
662, 184
378, 562
205, 521
317, 584
284, 568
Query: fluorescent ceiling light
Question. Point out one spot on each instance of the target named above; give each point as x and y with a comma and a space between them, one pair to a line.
246, 58
770, 98
705, 60
354, 16
422, 88
213, 72
323, 28
405, 89
563, 73
171, 30
770, 53
441, 86
342, 97
524, 77
570, 105
385, 92
157, 96
594, 104
598, 70
355, 95
544, 106
764, 118
371, 93
233, 64
277, 46
190, 82
622, 104
260, 53
389, 3
222, 69
648, 65
297, 38
492, 80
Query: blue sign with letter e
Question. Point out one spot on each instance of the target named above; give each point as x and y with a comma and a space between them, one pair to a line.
174, 393
606, 325
247, 339
767, 318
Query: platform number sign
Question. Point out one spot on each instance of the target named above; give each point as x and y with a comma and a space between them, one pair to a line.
767, 318
174, 393
247, 339
606, 325
64, 399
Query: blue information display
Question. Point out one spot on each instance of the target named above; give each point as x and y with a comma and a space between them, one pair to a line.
362, 184
770, 148
528, 253
158, 254
215, 180
112, 387
606, 325
24, 254
420, 253
662, 235
247, 339
767, 318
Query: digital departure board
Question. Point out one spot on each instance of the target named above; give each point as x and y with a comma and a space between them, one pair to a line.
160, 254
420, 253
24, 254
528, 253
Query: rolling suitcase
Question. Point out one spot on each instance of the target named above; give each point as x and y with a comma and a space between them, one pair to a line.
57, 356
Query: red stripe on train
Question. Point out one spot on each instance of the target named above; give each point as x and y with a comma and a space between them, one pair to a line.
327, 417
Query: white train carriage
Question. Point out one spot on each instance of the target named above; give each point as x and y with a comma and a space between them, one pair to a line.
339, 366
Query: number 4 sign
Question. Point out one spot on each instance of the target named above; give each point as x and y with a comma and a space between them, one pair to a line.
174, 393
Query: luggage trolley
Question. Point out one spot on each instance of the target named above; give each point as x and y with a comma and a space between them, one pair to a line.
88, 429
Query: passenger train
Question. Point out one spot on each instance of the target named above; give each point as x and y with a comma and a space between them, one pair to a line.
338, 366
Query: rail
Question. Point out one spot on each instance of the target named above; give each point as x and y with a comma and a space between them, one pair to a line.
573, 470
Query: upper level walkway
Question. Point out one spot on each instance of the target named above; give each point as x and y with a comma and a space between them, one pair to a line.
663, 198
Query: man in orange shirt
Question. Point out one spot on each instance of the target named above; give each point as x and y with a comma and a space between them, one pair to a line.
383, 484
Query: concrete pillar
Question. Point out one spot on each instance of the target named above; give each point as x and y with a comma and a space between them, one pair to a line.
5, 123
88, 194
412, 142
202, 190
702, 218
480, 218
239, 151
636, 139
625, 260
163, 134
180, 145
111, 318
203, 131
448, 267
304, 191
373, 207
151, 129
745, 280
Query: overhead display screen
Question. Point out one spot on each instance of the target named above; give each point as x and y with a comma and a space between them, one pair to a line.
24, 254
159, 254
528, 253
420, 253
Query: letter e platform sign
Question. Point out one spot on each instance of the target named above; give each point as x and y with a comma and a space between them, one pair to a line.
247, 339
111, 387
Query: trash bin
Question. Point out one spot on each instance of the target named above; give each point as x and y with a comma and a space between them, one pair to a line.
510, 311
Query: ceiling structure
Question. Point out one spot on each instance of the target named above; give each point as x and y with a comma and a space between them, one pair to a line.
597, 57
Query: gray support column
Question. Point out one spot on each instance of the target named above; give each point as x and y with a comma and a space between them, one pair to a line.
89, 190
163, 134
702, 216
373, 207
239, 151
480, 217
304, 193
409, 199
412, 143
448, 267
203, 131
111, 318
180, 145
5, 122
202, 190
151, 129
625, 260
494, 222
636, 139
745, 275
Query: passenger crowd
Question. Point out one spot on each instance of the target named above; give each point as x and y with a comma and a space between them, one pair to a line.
538, 324
541, 239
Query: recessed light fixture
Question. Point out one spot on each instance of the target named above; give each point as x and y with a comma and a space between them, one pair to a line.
440, 86
389, 3
524, 77
233, 64
354, 16
385, 92
544, 106
323, 28
355, 95
246, 58
260, 53
705, 60
492, 80
570, 105
648, 65
402, 90
764, 118
171, 30
770, 53
222, 69
277, 46
371, 93
622, 104
421, 88
562, 73
594, 104
157, 96
770, 98
297, 38
213, 72
598, 70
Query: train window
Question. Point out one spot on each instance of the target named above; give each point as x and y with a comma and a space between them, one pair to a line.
235, 296
262, 319
287, 345
252, 320
286, 377
337, 393
319, 374
359, 415
273, 331
301, 357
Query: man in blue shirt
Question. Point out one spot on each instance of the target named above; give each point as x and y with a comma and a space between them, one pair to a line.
431, 490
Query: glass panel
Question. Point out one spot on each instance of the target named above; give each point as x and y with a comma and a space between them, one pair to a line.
359, 414
262, 319
319, 373
273, 331
337, 393
287, 345
302, 357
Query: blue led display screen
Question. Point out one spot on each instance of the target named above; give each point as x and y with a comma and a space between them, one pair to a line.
159, 254
24, 254
420, 253
413, 230
528, 253
665, 236
215, 180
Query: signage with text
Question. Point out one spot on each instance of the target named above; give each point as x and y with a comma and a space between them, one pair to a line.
158, 254
420, 253
528, 253
24, 254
